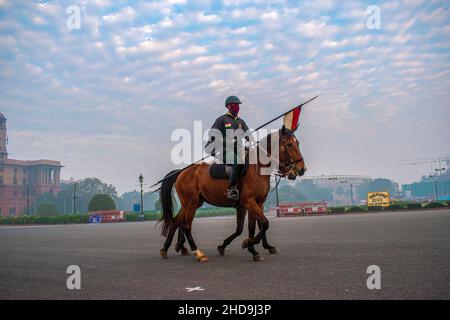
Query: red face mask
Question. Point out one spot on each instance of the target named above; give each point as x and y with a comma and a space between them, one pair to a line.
234, 109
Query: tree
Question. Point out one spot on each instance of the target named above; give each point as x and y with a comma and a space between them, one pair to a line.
45, 198
88, 188
311, 192
340, 190
376, 186
128, 199
101, 202
96, 186
174, 204
64, 199
288, 193
47, 209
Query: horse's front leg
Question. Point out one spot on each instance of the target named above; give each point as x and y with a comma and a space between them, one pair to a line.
240, 218
265, 243
249, 242
255, 210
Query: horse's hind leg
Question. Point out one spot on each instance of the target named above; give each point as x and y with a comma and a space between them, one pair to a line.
187, 227
240, 218
180, 244
168, 242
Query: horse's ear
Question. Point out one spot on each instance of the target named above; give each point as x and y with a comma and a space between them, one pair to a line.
283, 130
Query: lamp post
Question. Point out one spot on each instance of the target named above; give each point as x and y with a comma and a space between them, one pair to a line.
277, 181
28, 200
74, 197
141, 180
433, 181
351, 189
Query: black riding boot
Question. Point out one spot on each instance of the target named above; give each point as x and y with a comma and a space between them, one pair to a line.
233, 192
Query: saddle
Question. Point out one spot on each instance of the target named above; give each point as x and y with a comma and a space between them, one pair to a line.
219, 171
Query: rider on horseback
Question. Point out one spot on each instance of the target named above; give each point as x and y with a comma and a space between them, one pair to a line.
232, 143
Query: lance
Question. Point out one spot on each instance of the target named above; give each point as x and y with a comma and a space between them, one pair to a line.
261, 126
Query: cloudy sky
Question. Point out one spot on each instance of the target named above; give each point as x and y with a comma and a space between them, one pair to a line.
104, 99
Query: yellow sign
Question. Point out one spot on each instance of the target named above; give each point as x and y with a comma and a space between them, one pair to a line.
378, 199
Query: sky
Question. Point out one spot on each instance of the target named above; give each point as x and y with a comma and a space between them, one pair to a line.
104, 95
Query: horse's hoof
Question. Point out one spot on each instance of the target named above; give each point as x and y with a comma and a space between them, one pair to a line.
273, 250
258, 257
221, 250
185, 252
163, 253
247, 242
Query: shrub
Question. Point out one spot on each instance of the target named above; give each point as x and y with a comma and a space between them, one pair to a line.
396, 207
337, 209
375, 208
414, 205
152, 216
81, 218
131, 216
47, 209
435, 204
356, 209
101, 202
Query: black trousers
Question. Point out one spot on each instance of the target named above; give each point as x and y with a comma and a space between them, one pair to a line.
236, 170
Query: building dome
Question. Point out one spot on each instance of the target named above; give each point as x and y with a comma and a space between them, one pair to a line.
2, 116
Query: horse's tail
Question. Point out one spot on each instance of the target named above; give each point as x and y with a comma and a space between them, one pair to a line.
165, 194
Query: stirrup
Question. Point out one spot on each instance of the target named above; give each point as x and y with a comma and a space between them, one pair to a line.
233, 193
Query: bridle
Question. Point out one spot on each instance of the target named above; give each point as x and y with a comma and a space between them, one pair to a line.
287, 167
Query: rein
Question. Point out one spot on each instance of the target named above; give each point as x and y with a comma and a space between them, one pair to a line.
288, 165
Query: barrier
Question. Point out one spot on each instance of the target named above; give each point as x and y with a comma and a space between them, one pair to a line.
302, 208
106, 216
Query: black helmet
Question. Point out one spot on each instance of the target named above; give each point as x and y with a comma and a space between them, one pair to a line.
232, 99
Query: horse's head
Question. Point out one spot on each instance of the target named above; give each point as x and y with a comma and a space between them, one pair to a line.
292, 163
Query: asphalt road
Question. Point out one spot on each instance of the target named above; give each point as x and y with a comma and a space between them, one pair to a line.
320, 258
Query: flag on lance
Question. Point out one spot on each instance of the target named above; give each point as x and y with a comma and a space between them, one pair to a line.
291, 118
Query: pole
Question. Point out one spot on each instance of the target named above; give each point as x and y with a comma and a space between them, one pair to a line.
74, 197
142, 204
435, 189
276, 193
265, 124
28, 200
351, 189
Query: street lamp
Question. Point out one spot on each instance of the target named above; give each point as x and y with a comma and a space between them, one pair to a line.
141, 180
433, 181
351, 188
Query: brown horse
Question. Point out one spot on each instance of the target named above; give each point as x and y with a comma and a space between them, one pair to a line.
194, 186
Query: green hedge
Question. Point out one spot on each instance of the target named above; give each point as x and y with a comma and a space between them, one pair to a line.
396, 207
375, 208
414, 205
202, 212
356, 209
435, 204
336, 209
81, 218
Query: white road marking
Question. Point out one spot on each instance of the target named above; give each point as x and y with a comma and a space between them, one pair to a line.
194, 289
